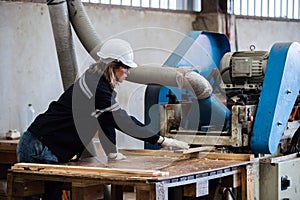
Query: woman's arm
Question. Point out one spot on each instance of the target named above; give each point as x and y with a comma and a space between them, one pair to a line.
129, 125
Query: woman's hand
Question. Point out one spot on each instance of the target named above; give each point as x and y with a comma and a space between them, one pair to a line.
116, 156
170, 142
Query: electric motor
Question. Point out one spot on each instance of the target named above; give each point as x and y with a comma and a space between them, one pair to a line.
244, 68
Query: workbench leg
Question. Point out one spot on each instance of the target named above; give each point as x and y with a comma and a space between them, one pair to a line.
247, 180
145, 193
251, 181
116, 192
82, 192
10, 188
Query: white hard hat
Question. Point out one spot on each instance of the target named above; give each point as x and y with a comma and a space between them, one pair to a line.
117, 49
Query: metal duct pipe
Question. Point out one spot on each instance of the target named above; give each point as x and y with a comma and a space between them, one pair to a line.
63, 40
183, 77
84, 28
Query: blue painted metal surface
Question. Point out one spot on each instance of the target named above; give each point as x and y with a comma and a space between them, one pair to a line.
203, 51
279, 92
214, 113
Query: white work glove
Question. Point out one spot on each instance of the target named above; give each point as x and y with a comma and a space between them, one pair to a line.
116, 156
169, 142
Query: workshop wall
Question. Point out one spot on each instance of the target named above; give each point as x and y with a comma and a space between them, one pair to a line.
263, 34
29, 69
29, 65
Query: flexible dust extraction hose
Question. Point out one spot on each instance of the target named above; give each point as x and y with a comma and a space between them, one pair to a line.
167, 76
84, 28
65, 49
183, 77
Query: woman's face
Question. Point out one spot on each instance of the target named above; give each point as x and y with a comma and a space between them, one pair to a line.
121, 73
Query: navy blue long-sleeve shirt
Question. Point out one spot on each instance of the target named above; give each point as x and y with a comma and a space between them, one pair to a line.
88, 106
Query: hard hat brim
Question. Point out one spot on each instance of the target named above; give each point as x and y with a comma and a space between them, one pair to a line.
131, 65
109, 60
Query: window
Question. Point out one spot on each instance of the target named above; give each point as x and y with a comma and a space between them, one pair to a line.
188, 5
287, 9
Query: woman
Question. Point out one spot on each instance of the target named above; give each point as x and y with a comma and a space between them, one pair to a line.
63, 132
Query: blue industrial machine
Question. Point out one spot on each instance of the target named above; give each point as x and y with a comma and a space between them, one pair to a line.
254, 94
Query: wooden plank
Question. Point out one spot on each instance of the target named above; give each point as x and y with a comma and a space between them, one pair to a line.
196, 149
227, 156
147, 152
204, 152
8, 145
163, 152
179, 154
279, 158
244, 186
201, 132
82, 169
8, 153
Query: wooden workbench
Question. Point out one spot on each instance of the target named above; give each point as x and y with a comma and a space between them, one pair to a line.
8, 157
155, 175
8, 153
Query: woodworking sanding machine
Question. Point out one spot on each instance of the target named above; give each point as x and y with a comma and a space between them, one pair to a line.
254, 97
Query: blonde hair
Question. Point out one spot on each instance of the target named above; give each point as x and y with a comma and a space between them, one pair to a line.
105, 69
